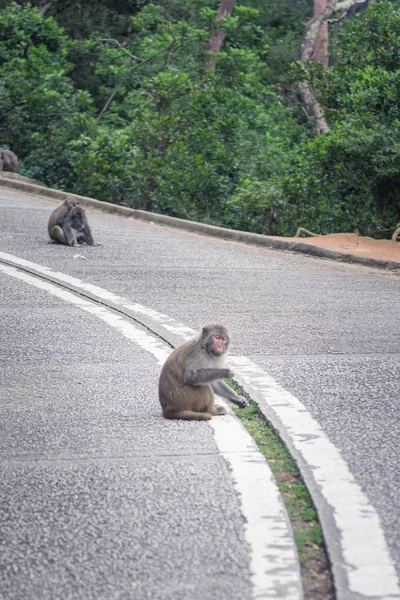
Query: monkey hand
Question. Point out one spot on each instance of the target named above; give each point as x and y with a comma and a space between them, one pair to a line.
228, 373
242, 403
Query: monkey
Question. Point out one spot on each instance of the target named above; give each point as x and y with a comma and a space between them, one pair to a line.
8, 161
57, 217
191, 375
75, 228
68, 224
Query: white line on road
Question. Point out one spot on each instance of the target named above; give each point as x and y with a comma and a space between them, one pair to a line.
168, 323
274, 563
367, 561
365, 558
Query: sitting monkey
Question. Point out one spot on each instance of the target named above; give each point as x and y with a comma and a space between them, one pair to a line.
191, 375
8, 161
68, 224
58, 215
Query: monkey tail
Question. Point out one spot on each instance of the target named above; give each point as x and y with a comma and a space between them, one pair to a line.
187, 415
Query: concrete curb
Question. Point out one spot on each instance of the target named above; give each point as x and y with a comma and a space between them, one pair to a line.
201, 228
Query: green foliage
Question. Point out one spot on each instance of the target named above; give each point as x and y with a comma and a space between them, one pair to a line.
127, 107
99, 174
281, 25
350, 177
81, 18
170, 135
39, 110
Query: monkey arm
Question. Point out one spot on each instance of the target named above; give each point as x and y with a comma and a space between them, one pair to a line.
203, 376
61, 215
57, 217
69, 234
222, 389
87, 232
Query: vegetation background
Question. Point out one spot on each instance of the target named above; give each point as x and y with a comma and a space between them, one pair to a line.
121, 101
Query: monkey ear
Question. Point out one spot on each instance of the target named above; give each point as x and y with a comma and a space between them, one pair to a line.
205, 331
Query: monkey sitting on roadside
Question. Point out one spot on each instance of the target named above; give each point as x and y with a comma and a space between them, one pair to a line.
68, 224
58, 215
8, 161
191, 375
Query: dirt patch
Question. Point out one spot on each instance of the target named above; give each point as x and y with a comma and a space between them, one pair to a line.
317, 581
351, 243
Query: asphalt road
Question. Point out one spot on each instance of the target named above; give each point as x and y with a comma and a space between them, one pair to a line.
327, 332
92, 475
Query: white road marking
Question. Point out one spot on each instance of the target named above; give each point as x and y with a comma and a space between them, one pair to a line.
274, 564
368, 566
272, 548
370, 569
168, 323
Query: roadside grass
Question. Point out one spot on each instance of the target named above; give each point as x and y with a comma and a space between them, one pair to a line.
307, 532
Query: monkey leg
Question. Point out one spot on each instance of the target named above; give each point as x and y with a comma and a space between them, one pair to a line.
58, 234
210, 406
187, 415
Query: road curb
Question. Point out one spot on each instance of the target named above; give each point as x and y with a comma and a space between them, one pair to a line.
202, 228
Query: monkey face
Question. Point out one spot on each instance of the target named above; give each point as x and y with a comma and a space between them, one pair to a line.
78, 214
219, 344
215, 338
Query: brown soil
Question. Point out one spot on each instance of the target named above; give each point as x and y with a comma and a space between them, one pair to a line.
351, 243
317, 581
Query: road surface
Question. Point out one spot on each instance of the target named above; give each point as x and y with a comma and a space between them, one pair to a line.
327, 333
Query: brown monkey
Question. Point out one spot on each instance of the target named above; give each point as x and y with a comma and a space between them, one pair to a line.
8, 161
70, 226
191, 375
57, 217
76, 227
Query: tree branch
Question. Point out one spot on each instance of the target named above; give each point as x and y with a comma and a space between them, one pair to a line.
321, 53
311, 32
45, 7
124, 50
215, 42
111, 98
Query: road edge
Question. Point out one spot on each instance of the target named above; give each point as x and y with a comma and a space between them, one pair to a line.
235, 235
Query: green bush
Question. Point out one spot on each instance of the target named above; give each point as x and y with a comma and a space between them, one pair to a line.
40, 113
146, 124
350, 176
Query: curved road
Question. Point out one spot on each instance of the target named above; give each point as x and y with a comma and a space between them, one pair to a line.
328, 333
